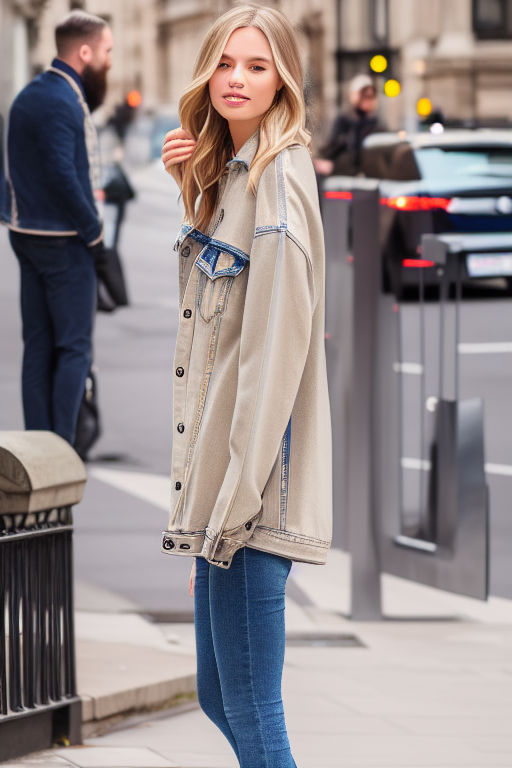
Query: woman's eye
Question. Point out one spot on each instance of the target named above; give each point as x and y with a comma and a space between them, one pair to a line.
223, 64
257, 68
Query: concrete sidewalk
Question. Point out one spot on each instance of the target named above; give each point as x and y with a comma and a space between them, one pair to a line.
428, 686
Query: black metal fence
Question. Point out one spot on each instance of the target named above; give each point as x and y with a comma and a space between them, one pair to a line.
37, 663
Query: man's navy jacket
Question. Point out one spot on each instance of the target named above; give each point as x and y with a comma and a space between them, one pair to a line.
48, 185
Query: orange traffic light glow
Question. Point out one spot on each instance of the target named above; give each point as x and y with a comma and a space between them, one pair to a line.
134, 99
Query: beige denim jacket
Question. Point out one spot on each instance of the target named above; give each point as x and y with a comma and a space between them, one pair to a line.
251, 458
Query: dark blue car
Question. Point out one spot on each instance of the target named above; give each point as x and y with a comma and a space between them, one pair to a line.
453, 182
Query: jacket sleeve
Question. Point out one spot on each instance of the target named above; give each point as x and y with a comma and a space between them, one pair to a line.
58, 142
275, 336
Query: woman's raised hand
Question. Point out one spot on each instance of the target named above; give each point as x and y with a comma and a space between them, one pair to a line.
177, 148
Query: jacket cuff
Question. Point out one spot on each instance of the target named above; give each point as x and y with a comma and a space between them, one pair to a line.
219, 548
97, 239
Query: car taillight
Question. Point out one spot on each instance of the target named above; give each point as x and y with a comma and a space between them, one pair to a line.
415, 203
422, 263
337, 195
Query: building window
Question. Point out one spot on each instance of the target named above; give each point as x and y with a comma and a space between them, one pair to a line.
379, 20
492, 19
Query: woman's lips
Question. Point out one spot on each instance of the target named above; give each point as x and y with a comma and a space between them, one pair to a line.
235, 98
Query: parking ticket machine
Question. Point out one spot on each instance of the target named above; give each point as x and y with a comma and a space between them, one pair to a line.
410, 489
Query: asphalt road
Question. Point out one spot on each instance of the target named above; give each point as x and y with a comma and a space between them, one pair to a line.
118, 525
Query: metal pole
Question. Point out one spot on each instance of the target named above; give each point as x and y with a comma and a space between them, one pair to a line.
363, 526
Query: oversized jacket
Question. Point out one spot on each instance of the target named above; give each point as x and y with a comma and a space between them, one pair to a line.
49, 190
251, 458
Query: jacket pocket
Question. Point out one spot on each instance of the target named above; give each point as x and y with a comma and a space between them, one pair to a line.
218, 270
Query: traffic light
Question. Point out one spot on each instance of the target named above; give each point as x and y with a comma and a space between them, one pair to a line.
424, 107
378, 63
392, 88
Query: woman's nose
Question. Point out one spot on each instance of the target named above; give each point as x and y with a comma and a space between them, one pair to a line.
236, 75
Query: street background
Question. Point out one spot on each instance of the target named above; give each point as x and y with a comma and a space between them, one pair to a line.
125, 506
427, 686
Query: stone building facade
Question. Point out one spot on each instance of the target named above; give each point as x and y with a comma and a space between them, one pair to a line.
457, 53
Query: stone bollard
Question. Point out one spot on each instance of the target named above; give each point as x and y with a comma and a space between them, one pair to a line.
41, 477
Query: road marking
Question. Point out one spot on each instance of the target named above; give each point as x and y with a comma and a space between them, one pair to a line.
413, 368
499, 469
408, 463
504, 470
486, 348
154, 489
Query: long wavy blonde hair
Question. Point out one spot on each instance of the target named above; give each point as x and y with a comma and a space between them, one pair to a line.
283, 123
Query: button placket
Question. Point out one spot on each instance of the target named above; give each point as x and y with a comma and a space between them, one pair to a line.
182, 355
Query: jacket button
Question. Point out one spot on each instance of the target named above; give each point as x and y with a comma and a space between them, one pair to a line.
186, 251
177, 485
187, 313
168, 544
180, 428
180, 371
248, 526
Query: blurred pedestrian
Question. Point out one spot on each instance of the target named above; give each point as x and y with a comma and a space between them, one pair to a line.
342, 153
52, 170
251, 464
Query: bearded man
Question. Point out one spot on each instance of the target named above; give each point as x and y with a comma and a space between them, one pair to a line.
52, 170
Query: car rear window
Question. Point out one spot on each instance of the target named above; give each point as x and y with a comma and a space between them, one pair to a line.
439, 162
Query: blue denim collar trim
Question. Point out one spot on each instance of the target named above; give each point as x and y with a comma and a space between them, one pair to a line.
59, 64
246, 153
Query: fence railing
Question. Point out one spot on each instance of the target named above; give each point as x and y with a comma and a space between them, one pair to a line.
41, 477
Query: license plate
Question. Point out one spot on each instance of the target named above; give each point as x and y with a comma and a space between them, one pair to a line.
489, 264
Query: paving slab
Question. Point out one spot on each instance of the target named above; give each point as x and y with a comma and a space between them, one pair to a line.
115, 757
120, 678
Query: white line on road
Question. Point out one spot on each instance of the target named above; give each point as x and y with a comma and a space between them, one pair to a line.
414, 368
505, 470
486, 348
154, 489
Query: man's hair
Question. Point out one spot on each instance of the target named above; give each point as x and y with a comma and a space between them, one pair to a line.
77, 28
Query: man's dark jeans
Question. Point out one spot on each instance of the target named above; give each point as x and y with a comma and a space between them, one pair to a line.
58, 295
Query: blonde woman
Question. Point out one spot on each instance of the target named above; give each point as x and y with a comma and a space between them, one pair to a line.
251, 463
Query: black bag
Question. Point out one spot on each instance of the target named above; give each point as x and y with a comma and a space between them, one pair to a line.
88, 428
118, 189
109, 272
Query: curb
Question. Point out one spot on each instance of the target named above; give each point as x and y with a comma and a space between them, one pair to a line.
116, 681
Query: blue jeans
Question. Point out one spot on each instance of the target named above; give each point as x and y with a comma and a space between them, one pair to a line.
58, 299
240, 638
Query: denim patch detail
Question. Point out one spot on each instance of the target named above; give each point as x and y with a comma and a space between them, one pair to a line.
239, 161
212, 296
182, 234
267, 228
281, 191
285, 475
203, 239
232, 262
298, 538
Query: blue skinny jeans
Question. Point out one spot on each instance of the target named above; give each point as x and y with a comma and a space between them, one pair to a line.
240, 638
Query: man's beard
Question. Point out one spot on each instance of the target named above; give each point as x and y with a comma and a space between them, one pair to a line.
94, 82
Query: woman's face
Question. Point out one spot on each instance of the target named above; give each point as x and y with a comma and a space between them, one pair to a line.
245, 82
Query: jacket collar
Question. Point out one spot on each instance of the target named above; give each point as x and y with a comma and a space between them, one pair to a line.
59, 64
245, 154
